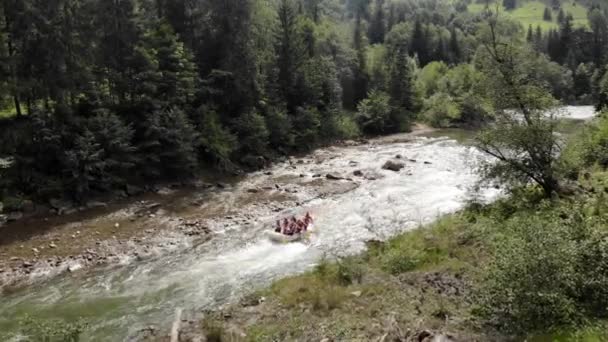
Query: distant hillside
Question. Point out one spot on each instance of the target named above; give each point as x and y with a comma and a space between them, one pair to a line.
531, 13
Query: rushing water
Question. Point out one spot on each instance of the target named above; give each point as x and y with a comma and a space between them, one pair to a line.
119, 301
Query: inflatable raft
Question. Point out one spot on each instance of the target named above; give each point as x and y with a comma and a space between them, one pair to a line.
282, 238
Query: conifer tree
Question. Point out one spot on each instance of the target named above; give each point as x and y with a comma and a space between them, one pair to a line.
547, 15
377, 28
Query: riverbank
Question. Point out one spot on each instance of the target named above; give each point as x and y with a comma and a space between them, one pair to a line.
442, 282
169, 219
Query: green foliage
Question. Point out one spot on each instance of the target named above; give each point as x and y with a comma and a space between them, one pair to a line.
522, 140
93, 80
252, 134
440, 110
306, 127
603, 92
36, 330
452, 95
215, 142
168, 145
586, 149
373, 113
547, 270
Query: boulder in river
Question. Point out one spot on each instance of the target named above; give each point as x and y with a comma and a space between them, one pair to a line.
73, 267
14, 216
96, 204
133, 190
28, 206
393, 166
332, 176
358, 173
1, 207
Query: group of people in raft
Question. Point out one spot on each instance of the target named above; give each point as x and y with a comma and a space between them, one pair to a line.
293, 226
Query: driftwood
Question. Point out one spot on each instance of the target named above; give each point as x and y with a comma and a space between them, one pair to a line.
176, 324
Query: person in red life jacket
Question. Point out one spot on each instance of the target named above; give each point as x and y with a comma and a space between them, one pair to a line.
301, 227
278, 228
307, 221
285, 226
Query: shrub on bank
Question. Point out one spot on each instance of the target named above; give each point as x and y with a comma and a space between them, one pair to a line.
548, 269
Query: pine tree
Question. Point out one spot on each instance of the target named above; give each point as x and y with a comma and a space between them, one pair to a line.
377, 28
392, 18
538, 39
455, 52
419, 43
401, 91
547, 15
565, 39
561, 16
530, 34
167, 148
599, 27
289, 52
361, 79
440, 53
178, 75
509, 4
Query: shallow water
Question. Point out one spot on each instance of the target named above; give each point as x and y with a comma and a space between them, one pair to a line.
121, 300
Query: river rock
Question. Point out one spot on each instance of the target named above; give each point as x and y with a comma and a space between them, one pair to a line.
96, 204
398, 156
27, 264
358, 173
28, 206
14, 216
73, 267
393, 166
1, 207
253, 191
133, 190
332, 176
427, 163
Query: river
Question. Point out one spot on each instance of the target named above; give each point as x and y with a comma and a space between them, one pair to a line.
118, 301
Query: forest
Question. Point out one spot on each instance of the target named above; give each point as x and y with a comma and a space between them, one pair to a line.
96, 94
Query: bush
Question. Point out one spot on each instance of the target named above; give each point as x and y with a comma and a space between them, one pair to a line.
52, 330
441, 110
168, 145
216, 143
306, 124
374, 113
548, 270
586, 148
252, 134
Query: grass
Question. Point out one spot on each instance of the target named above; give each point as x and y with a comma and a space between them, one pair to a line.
531, 13
422, 280
363, 297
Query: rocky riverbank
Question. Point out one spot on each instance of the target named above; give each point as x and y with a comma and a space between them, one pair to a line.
43, 241
170, 219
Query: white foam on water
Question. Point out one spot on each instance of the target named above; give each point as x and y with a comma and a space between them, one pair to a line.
121, 300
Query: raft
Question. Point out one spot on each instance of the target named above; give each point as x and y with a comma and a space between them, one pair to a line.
282, 238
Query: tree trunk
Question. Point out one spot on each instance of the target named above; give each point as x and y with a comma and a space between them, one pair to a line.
17, 105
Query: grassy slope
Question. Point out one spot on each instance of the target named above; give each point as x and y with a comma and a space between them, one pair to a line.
531, 13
